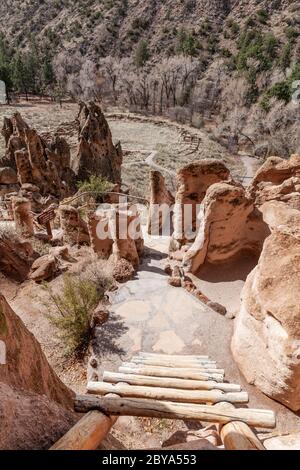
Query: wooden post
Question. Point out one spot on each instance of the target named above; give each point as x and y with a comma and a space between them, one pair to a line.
238, 435
132, 379
170, 410
87, 434
49, 230
167, 394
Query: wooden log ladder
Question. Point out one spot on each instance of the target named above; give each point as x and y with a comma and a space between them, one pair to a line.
167, 386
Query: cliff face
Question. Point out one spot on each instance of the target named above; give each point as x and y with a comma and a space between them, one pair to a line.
118, 25
247, 56
36, 408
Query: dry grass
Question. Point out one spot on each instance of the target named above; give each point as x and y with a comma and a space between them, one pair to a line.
138, 139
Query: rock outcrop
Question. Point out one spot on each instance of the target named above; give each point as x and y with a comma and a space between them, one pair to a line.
97, 155
16, 257
23, 217
160, 198
43, 164
75, 229
35, 407
116, 231
8, 181
277, 179
266, 339
193, 181
230, 224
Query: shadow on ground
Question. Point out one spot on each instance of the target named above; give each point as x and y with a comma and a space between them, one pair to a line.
105, 341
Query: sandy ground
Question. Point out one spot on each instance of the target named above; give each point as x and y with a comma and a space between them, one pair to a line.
223, 283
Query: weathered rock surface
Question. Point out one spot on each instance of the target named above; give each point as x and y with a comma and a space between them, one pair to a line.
230, 224
16, 257
277, 179
8, 176
22, 216
266, 339
75, 229
117, 231
159, 196
40, 163
43, 268
123, 271
97, 155
287, 442
35, 407
192, 183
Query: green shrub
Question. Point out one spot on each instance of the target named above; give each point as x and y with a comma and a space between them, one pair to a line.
252, 44
282, 91
142, 53
262, 16
96, 185
71, 312
291, 33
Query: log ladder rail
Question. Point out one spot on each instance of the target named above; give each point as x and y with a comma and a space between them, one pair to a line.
166, 386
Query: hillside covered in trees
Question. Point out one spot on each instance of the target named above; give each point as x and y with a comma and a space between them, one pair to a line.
234, 63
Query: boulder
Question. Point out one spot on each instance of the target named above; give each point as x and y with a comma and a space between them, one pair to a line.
8, 176
44, 268
16, 257
277, 179
230, 224
75, 229
123, 271
36, 408
266, 338
193, 181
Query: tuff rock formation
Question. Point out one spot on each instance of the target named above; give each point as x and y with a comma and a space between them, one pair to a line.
35, 407
159, 196
75, 229
230, 224
23, 217
16, 257
45, 165
277, 179
8, 181
266, 339
117, 231
97, 155
192, 183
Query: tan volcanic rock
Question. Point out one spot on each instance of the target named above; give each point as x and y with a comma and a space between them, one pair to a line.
23, 217
36, 408
40, 163
266, 339
97, 154
16, 257
230, 224
117, 231
193, 181
75, 229
277, 179
159, 195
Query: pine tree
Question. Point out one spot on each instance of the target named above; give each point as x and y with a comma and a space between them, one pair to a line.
142, 53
